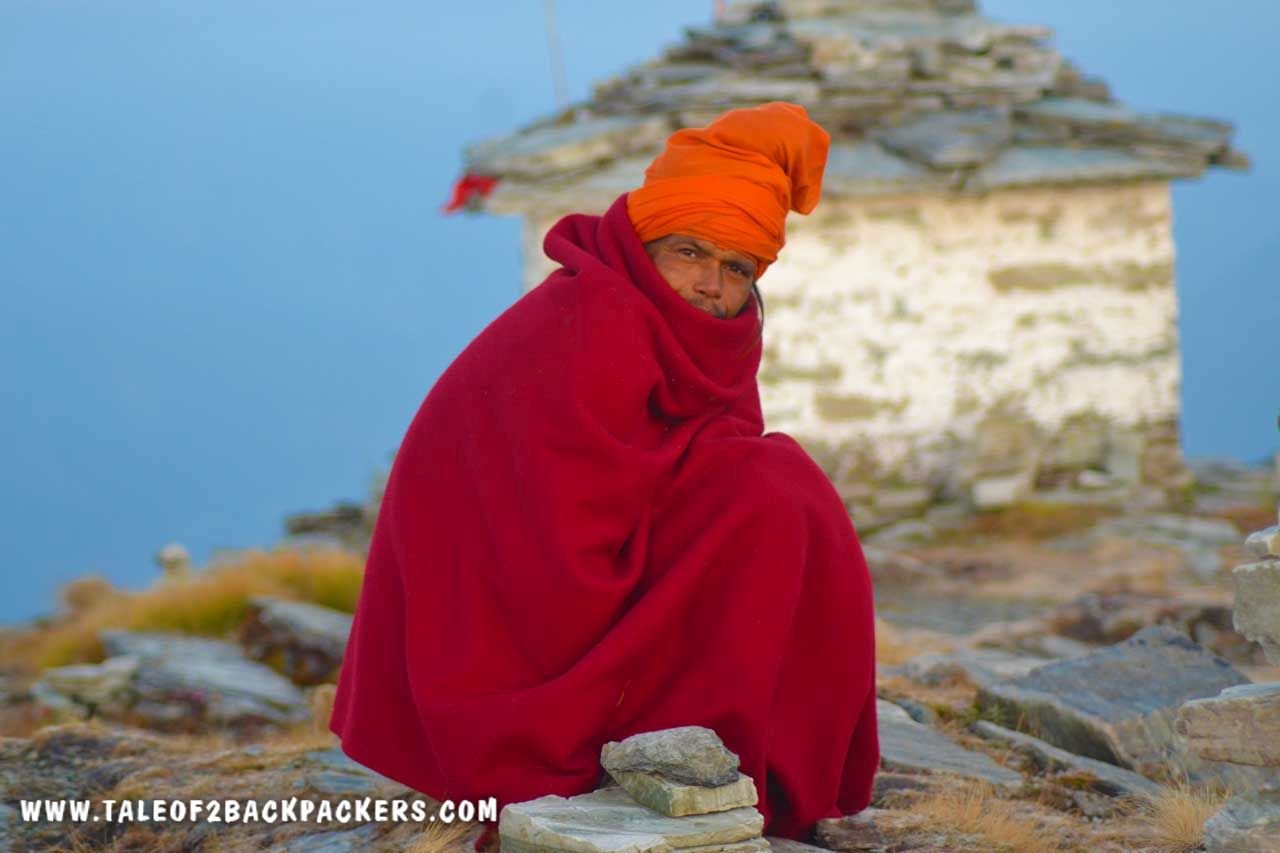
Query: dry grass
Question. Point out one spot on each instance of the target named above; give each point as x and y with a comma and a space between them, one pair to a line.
976, 810
1174, 818
444, 838
211, 603
1248, 518
896, 645
1027, 520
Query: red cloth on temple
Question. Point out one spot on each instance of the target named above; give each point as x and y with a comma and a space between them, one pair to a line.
466, 188
585, 535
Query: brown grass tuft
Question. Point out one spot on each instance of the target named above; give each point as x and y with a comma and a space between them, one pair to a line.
211, 603
976, 810
444, 838
1174, 818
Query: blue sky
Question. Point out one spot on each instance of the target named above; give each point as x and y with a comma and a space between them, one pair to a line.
228, 286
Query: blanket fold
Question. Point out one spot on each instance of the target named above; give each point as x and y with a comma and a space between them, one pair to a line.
586, 534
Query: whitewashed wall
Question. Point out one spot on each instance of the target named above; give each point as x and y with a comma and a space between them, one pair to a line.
896, 327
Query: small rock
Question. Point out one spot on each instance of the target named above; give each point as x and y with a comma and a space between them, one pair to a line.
173, 560
610, 821
1090, 479
1000, 491
309, 640
1249, 823
676, 800
1264, 543
101, 688
1111, 780
852, 832
1241, 725
887, 783
694, 755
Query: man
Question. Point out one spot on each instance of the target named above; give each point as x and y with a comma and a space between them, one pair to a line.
586, 533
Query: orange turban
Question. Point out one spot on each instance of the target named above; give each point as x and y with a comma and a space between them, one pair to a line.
733, 181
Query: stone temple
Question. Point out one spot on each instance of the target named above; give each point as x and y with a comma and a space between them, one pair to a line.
983, 303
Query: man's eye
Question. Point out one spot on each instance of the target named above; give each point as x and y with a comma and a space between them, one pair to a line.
687, 252
739, 271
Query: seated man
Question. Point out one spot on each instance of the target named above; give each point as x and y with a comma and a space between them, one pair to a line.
587, 534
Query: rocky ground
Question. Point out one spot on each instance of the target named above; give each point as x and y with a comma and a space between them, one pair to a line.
1032, 664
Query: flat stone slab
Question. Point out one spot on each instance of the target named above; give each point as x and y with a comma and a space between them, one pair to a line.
913, 747
676, 799
1118, 704
1257, 614
1249, 823
1241, 725
1111, 780
693, 755
610, 821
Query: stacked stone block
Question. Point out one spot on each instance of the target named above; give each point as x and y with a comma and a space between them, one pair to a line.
1242, 724
678, 789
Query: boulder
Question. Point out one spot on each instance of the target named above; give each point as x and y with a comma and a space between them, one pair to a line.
1241, 725
307, 640
693, 755
1249, 823
172, 682
187, 695
610, 821
906, 745
1111, 780
1118, 704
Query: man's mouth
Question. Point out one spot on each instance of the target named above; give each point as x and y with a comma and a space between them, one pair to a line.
711, 308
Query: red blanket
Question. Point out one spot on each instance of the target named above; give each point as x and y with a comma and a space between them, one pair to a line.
585, 535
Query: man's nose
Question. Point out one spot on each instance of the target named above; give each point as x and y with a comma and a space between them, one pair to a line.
709, 283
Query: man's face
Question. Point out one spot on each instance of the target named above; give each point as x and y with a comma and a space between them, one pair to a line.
708, 277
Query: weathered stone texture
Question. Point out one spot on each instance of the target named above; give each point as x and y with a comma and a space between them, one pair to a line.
1240, 725
1106, 705
676, 799
1249, 823
610, 820
1257, 613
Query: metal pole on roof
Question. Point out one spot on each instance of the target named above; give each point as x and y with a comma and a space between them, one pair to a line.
557, 62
